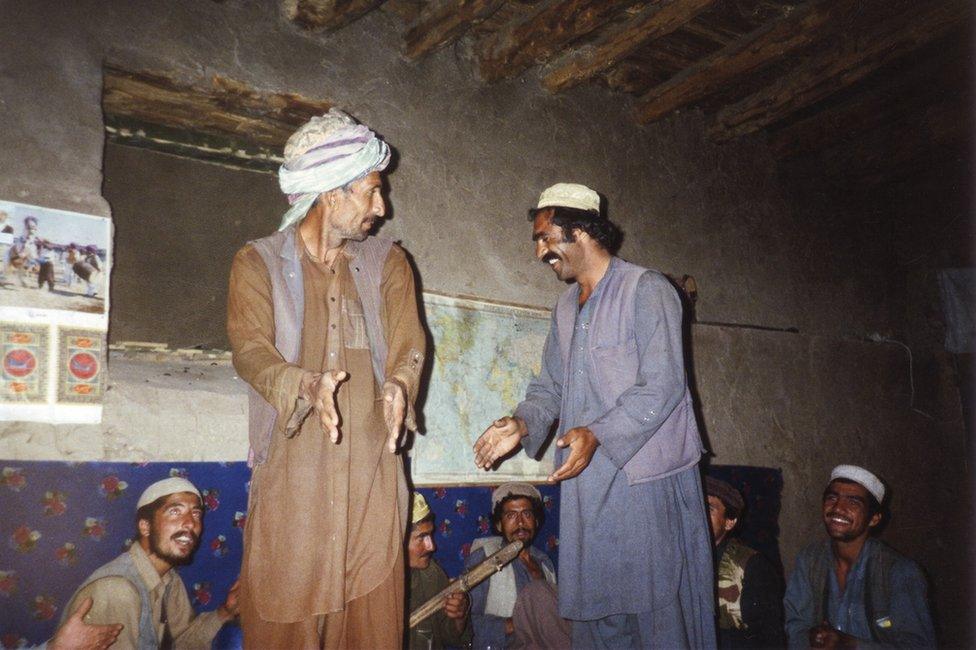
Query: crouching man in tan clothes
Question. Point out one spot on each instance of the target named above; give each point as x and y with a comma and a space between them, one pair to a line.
139, 589
323, 324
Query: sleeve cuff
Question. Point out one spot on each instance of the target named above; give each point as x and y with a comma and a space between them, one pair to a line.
210, 624
294, 408
537, 425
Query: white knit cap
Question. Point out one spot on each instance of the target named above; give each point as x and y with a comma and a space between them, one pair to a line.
514, 490
165, 488
569, 195
862, 477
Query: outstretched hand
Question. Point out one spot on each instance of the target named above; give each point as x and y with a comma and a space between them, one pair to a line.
75, 634
320, 390
582, 445
504, 435
394, 411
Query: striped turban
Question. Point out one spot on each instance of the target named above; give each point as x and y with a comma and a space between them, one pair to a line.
327, 152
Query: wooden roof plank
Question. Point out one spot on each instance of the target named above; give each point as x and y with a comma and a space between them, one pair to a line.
541, 34
849, 59
752, 52
654, 21
326, 15
445, 24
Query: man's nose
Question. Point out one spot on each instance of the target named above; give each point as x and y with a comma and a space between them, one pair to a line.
429, 544
540, 249
379, 206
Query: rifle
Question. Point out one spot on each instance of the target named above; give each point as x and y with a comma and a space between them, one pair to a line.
467, 580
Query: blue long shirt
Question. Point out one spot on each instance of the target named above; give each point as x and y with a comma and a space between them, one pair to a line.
622, 546
489, 630
909, 614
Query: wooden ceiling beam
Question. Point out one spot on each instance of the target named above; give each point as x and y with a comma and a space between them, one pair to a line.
903, 94
445, 23
859, 52
654, 21
752, 52
326, 15
227, 115
539, 35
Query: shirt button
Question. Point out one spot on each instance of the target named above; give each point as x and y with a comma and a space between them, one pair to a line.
580, 348
332, 325
291, 275
579, 372
332, 298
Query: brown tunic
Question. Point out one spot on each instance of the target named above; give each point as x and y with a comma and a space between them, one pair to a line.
326, 521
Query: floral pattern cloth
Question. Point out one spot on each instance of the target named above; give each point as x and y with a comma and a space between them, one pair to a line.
61, 521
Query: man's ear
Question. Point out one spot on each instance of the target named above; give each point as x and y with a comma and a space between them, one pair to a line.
875, 520
730, 524
143, 525
580, 235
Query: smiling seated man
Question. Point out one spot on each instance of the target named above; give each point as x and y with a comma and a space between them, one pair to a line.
853, 590
140, 590
518, 606
427, 579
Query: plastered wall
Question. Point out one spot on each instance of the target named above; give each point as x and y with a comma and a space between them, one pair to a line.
471, 159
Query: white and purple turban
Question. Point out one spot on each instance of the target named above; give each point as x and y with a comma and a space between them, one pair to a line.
327, 152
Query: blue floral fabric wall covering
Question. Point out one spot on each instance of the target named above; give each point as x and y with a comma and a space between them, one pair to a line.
61, 521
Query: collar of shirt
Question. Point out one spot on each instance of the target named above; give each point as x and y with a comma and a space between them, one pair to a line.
302, 249
150, 577
847, 609
598, 289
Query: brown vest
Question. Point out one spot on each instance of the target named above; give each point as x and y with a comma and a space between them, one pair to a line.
280, 256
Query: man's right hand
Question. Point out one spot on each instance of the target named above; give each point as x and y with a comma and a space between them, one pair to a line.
320, 390
825, 636
504, 435
75, 634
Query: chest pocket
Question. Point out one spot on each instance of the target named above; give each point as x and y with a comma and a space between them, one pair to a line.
354, 325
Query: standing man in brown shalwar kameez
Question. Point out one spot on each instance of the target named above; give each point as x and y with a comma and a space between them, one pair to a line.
323, 323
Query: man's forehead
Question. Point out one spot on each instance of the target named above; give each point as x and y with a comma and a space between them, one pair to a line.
845, 488
518, 503
425, 528
187, 498
542, 222
372, 179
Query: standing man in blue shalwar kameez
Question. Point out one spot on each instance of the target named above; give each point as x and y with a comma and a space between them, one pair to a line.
635, 565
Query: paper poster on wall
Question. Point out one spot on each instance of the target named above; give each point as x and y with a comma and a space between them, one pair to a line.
81, 362
25, 363
53, 259
54, 288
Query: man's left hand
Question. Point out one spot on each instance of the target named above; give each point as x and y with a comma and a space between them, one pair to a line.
231, 606
582, 445
456, 605
76, 634
394, 411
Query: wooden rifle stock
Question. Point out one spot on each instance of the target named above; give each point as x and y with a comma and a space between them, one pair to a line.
467, 581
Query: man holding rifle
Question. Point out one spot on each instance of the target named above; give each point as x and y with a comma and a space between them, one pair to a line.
449, 626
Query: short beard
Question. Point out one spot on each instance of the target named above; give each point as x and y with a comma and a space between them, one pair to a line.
172, 560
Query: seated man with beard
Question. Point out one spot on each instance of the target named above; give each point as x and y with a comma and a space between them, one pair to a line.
139, 589
517, 607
